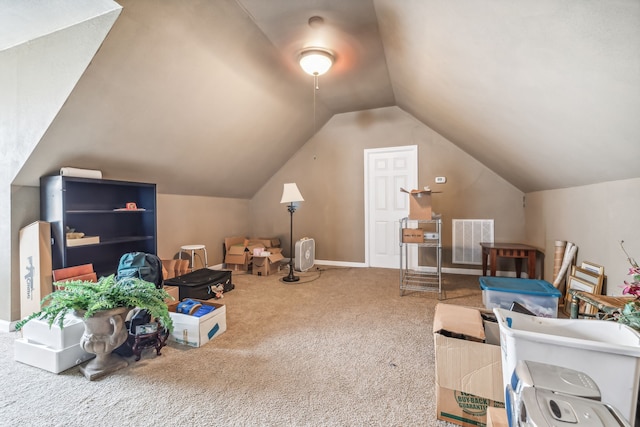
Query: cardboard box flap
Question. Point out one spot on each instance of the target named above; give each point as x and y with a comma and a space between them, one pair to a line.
419, 192
415, 192
267, 242
242, 258
252, 246
275, 250
259, 261
275, 257
458, 320
472, 367
231, 241
236, 249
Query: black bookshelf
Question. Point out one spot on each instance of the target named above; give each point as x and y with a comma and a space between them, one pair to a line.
96, 207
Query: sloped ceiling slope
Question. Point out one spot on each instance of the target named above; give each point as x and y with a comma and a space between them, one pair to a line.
545, 93
189, 95
206, 98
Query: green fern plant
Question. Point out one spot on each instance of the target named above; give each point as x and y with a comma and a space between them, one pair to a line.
105, 294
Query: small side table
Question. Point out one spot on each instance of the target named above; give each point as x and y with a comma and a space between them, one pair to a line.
517, 251
157, 340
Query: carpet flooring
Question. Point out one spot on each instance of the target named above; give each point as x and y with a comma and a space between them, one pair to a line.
340, 347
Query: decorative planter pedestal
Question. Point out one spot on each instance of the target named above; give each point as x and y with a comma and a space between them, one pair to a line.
104, 332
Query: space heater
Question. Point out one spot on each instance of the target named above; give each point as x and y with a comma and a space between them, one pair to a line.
305, 254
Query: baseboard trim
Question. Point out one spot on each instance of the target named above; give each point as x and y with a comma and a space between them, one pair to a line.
340, 263
448, 270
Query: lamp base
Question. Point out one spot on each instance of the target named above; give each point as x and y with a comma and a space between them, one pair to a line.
290, 277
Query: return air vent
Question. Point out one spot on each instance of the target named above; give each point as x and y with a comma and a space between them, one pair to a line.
467, 235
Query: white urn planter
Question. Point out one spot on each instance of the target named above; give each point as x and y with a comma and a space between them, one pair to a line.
104, 332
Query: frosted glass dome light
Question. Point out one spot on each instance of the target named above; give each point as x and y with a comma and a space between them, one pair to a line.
315, 61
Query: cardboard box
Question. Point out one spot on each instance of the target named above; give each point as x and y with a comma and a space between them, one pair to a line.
267, 242
197, 331
412, 235
237, 253
237, 262
468, 370
48, 358
266, 265
83, 241
174, 291
419, 203
38, 331
174, 267
497, 417
36, 278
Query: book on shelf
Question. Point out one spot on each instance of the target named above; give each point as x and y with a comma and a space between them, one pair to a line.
86, 240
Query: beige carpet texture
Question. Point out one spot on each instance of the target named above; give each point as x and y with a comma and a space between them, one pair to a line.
340, 347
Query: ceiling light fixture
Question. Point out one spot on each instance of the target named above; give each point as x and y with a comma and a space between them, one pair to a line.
316, 61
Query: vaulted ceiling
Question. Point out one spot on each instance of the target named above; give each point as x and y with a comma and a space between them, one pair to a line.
188, 94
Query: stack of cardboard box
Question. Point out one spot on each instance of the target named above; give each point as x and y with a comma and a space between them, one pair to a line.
263, 254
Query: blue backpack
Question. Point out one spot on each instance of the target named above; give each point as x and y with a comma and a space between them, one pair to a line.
139, 264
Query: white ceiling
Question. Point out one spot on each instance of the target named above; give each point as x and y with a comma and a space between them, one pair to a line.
545, 93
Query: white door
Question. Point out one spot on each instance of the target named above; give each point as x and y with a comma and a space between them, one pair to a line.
386, 171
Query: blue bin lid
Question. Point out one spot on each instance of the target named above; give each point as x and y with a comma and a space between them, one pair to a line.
519, 286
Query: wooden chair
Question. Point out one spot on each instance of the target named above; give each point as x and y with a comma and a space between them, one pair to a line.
607, 306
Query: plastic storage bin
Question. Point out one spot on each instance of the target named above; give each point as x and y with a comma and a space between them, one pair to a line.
538, 296
607, 351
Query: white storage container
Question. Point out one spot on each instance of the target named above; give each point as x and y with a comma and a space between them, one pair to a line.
608, 352
538, 296
39, 331
47, 358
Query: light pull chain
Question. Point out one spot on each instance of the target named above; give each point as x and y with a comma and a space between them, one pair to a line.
315, 88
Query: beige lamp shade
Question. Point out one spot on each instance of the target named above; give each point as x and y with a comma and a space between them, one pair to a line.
291, 194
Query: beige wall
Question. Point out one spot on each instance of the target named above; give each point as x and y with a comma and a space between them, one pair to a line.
36, 78
329, 170
190, 220
25, 209
595, 218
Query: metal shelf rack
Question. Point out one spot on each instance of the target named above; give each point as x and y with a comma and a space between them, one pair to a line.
421, 278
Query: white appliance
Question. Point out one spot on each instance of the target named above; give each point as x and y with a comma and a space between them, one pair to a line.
544, 408
305, 254
555, 378
558, 379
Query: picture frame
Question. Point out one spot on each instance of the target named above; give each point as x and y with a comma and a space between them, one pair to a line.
588, 276
594, 268
580, 285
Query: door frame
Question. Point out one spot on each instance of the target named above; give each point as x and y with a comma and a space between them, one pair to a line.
367, 153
